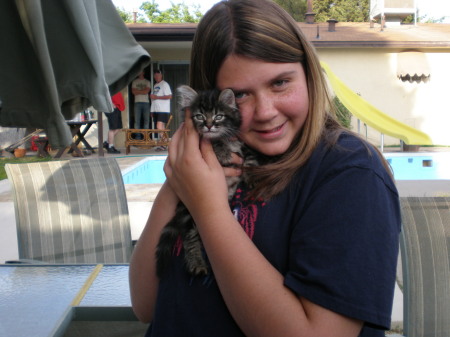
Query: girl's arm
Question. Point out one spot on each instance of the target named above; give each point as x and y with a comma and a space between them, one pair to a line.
251, 287
143, 280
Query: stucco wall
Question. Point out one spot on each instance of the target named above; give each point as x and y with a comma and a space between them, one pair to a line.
373, 74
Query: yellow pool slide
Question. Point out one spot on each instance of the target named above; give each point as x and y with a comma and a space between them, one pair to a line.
373, 117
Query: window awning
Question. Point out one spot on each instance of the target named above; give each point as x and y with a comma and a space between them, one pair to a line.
413, 67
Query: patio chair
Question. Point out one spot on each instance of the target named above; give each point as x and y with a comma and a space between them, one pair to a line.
71, 211
425, 252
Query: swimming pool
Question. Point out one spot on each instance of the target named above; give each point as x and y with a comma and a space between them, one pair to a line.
147, 171
420, 166
406, 166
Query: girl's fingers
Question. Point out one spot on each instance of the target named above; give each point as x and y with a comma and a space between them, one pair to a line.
187, 115
191, 137
173, 145
211, 159
232, 171
236, 159
208, 153
183, 149
167, 167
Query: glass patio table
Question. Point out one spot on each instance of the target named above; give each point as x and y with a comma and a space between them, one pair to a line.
42, 300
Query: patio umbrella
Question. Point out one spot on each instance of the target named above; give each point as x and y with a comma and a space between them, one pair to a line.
58, 57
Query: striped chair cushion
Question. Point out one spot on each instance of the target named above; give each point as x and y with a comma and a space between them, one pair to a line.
71, 211
425, 250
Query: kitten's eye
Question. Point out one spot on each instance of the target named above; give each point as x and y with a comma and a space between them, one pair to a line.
218, 117
199, 117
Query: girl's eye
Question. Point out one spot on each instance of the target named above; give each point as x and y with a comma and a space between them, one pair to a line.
239, 95
279, 83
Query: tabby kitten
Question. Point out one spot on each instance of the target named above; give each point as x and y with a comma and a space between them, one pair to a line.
216, 117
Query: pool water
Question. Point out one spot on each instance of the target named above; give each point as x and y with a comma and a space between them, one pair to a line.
406, 166
423, 166
147, 171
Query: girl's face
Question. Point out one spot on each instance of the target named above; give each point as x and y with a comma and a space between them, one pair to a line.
272, 98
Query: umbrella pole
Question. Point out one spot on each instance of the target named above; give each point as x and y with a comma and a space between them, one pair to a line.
100, 133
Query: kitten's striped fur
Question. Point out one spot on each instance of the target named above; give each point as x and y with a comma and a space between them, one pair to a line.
216, 117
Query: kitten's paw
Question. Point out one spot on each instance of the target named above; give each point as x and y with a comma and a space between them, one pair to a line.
198, 270
197, 266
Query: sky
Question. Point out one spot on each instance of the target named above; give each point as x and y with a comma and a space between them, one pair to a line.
432, 8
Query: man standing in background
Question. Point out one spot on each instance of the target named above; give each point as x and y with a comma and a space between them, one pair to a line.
114, 122
140, 89
160, 108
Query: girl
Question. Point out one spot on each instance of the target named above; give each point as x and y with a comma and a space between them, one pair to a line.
311, 249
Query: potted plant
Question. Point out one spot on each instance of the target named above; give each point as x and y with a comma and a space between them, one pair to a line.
20, 152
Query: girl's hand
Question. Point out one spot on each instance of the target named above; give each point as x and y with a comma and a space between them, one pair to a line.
236, 170
193, 171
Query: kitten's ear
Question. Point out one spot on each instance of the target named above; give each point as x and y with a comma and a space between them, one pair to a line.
186, 95
227, 97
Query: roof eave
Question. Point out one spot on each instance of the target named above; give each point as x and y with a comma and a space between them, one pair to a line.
162, 33
381, 44
185, 32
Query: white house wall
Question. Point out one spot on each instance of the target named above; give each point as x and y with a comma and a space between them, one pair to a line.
372, 73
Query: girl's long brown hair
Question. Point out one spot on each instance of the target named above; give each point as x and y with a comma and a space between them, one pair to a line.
262, 30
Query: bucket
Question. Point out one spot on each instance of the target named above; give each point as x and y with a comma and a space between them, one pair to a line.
19, 153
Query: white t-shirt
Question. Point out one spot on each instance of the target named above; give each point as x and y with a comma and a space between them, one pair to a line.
141, 85
161, 105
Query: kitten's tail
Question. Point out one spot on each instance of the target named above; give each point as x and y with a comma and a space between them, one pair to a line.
176, 228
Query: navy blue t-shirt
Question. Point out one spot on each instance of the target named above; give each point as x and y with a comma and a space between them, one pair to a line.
333, 233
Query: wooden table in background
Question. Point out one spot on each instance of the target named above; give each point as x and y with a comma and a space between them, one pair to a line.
79, 130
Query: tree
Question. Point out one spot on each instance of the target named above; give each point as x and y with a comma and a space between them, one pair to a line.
341, 10
343, 115
126, 16
427, 19
178, 13
297, 8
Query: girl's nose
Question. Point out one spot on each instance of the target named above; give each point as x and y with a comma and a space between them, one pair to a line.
264, 108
